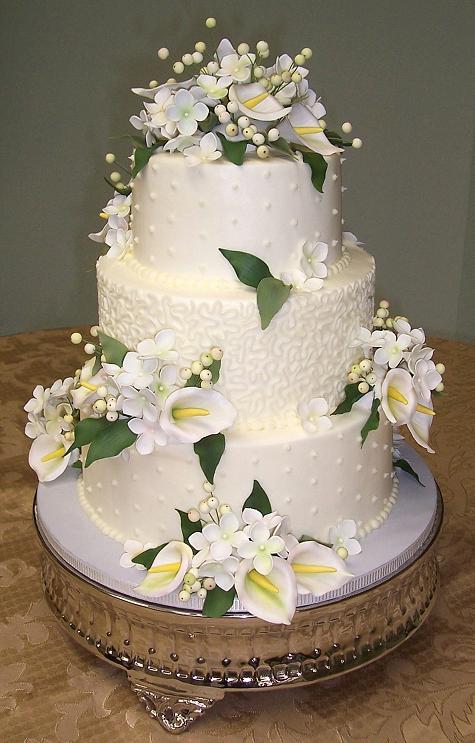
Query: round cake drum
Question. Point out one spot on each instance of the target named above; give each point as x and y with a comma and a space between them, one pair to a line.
179, 662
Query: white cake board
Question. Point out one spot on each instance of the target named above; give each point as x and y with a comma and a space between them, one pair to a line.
411, 525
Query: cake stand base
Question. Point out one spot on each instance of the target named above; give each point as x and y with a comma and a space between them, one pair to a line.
180, 663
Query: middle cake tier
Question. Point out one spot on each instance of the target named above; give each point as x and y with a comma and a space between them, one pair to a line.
304, 353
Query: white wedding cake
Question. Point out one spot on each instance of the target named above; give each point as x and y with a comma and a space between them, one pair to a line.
234, 424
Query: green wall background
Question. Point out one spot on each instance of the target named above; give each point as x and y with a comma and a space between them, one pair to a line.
402, 72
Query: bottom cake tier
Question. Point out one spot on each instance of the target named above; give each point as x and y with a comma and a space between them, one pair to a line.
317, 480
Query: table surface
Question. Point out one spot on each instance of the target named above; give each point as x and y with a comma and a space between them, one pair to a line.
51, 690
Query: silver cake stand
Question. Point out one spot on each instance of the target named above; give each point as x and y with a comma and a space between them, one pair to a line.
180, 663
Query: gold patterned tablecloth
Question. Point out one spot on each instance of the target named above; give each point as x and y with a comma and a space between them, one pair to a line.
53, 691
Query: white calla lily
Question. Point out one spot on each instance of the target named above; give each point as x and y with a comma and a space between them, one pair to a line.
302, 127
317, 568
191, 413
271, 597
398, 398
167, 570
420, 424
47, 457
256, 102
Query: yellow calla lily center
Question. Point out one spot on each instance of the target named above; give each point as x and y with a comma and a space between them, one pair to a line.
54, 454
253, 102
301, 130
168, 567
302, 568
261, 581
181, 413
423, 409
103, 215
88, 386
394, 394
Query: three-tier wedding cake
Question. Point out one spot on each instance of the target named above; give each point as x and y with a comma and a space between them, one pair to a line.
234, 422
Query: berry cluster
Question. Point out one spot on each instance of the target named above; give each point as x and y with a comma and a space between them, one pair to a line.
200, 367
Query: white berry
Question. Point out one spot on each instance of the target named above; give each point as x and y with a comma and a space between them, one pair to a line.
193, 515
258, 139
102, 390
213, 501
346, 127
111, 403
307, 52
89, 348
196, 586
212, 67
231, 129
263, 152
114, 176
197, 367
296, 77
299, 59
210, 22
209, 584
206, 375
203, 506
371, 378
163, 53
262, 46
110, 157
232, 107
216, 353
273, 135
224, 508
378, 322
440, 368
197, 57
243, 121
208, 487
440, 387
76, 338
259, 72
219, 109
187, 59
184, 595
342, 552
357, 143
100, 406
185, 373
200, 46
382, 312
353, 377
243, 48
224, 117
153, 84
363, 387
248, 133
112, 415
178, 67
202, 593
365, 365
384, 304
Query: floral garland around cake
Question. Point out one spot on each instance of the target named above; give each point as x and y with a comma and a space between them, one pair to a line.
122, 398
397, 375
252, 556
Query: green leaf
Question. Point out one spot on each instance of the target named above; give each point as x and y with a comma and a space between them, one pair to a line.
404, 465
258, 500
336, 139
188, 527
146, 558
195, 381
86, 431
209, 123
97, 364
209, 451
77, 464
116, 437
217, 602
373, 421
249, 269
233, 151
123, 191
271, 295
113, 350
352, 395
141, 157
318, 166
282, 145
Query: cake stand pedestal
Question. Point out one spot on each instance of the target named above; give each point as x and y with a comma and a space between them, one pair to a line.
180, 663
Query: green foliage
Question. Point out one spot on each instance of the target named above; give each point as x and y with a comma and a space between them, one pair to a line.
249, 269
233, 151
336, 139
188, 527
281, 145
77, 464
404, 465
114, 351
373, 421
209, 123
86, 431
217, 602
111, 441
352, 395
209, 451
146, 558
318, 166
258, 500
141, 157
271, 295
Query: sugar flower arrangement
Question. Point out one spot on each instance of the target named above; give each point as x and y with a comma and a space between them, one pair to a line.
252, 556
234, 102
396, 375
122, 398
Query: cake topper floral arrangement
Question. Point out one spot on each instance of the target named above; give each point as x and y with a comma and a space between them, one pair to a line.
234, 103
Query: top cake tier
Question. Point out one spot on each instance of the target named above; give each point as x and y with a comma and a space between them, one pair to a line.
182, 215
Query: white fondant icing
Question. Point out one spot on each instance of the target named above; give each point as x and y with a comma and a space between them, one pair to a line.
283, 474
229, 192
304, 353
